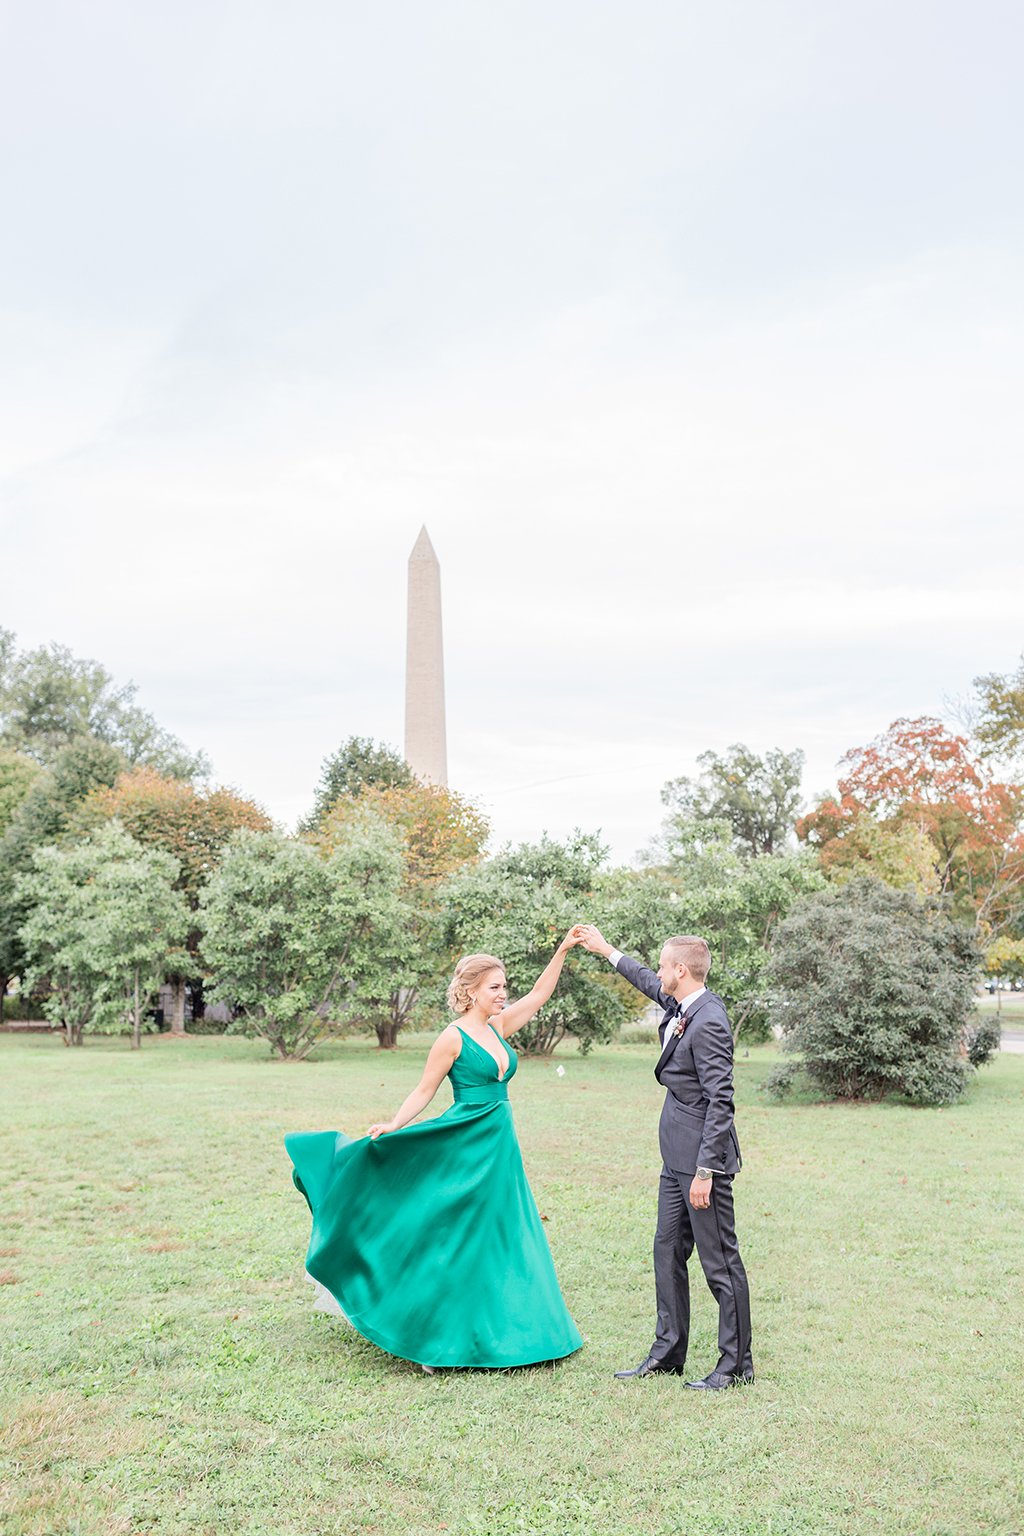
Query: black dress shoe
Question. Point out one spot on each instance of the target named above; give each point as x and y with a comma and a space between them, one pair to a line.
718, 1381
650, 1367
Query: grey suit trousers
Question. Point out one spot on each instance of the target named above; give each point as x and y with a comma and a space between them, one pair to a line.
713, 1232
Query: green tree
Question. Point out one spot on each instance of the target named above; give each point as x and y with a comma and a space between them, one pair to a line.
874, 990
736, 903
359, 763
43, 816
292, 936
193, 825
758, 797
17, 775
50, 698
386, 989
104, 921
518, 906
441, 832
1004, 960
997, 713
901, 854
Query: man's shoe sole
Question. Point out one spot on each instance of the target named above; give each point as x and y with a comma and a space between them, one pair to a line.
705, 1386
667, 1370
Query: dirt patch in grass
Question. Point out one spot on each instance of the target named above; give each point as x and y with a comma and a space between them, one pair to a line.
63, 1425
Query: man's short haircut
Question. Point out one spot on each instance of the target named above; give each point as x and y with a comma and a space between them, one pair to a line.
693, 953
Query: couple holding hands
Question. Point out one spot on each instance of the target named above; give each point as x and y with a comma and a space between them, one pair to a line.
427, 1237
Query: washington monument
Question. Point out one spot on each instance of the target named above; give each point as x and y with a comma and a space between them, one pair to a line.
426, 749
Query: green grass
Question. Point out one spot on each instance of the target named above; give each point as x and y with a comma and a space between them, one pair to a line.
163, 1371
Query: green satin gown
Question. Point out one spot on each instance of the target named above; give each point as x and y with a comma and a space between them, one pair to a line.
429, 1239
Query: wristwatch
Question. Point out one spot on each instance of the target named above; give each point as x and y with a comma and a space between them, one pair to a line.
705, 1173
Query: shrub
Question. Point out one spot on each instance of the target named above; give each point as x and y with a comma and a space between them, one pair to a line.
874, 988
22, 1008
983, 1038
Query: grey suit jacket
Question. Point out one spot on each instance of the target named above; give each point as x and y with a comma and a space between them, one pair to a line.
697, 1127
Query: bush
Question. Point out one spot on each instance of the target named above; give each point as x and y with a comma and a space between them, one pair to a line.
983, 1039
208, 1026
782, 1079
874, 988
638, 1034
21, 1008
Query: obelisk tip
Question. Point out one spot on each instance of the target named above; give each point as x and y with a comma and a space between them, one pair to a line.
423, 549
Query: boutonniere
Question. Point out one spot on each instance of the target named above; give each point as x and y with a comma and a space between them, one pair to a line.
680, 1027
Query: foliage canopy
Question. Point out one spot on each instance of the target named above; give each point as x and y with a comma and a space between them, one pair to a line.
998, 713
359, 763
104, 921
736, 903
918, 774
50, 698
290, 936
758, 797
518, 906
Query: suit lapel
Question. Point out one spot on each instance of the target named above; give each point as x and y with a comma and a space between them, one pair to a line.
672, 1039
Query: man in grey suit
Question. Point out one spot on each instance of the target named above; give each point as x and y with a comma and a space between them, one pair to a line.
700, 1154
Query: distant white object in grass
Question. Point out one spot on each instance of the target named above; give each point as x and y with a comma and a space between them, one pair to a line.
559, 1071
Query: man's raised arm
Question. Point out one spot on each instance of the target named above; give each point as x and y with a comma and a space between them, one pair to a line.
642, 977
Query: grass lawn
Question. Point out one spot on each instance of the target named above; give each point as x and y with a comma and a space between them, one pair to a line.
163, 1370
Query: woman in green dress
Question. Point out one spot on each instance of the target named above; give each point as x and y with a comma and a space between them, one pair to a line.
427, 1236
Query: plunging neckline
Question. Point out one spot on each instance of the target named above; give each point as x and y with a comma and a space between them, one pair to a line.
502, 1072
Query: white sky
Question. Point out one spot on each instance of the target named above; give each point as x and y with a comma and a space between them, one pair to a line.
694, 334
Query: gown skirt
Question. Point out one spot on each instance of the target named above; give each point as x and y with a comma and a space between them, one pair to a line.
429, 1239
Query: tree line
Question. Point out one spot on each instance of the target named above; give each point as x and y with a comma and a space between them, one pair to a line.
124, 869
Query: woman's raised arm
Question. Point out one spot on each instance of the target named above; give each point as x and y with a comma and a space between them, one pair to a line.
519, 1013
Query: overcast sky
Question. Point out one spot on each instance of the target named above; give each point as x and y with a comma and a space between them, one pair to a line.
693, 332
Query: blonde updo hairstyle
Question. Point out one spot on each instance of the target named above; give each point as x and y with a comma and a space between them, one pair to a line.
468, 973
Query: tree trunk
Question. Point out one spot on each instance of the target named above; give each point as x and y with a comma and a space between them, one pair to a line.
136, 1017
387, 1034
741, 1016
178, 1006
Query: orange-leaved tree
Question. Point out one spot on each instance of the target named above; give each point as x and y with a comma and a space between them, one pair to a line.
441, 830
919, 775
192, 824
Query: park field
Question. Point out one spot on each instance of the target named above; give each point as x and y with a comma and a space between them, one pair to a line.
163, 1372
